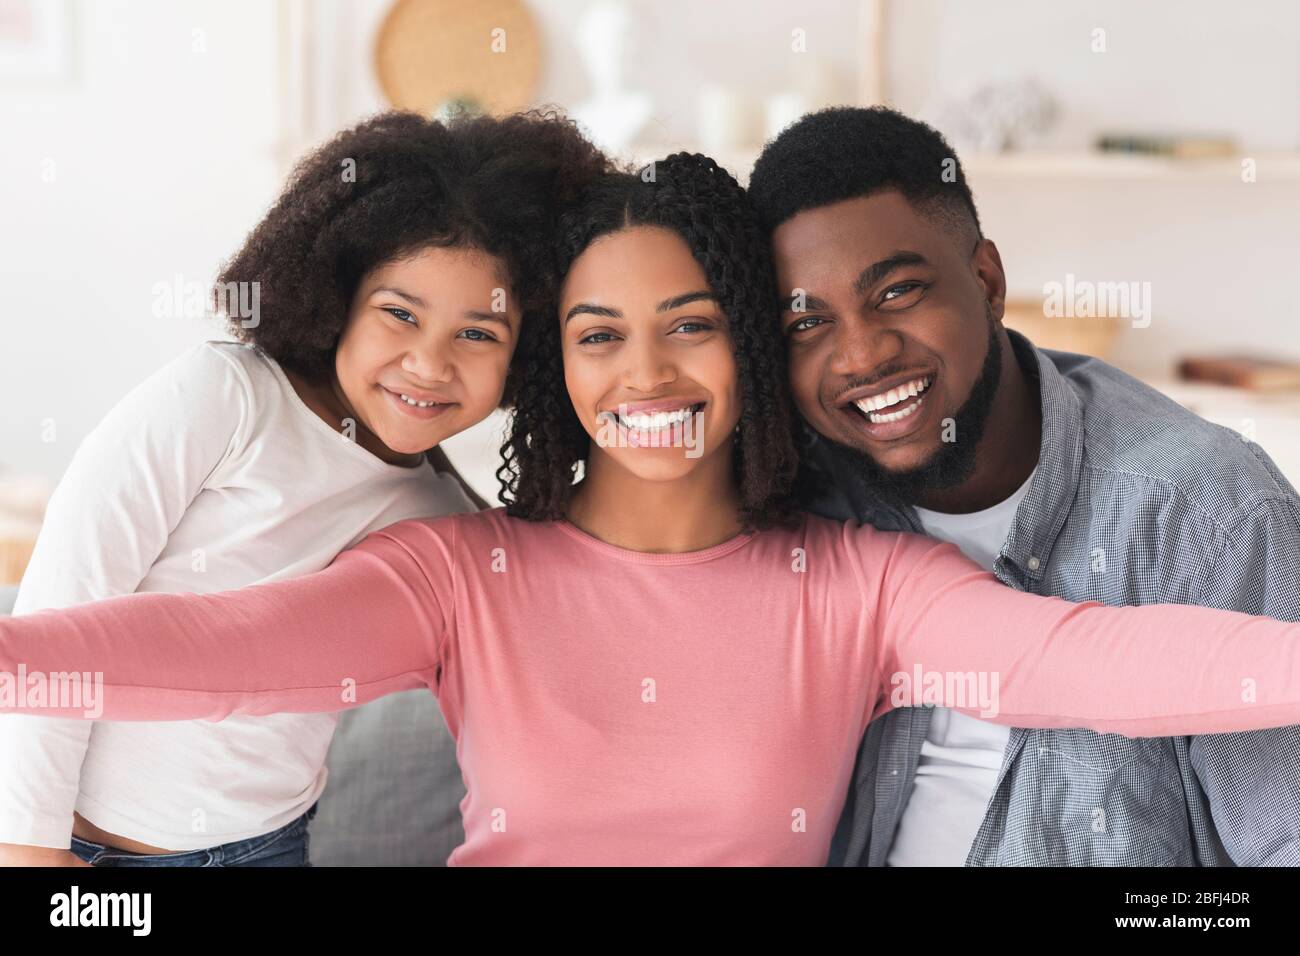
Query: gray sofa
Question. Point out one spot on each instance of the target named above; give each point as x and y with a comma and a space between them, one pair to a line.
394, 791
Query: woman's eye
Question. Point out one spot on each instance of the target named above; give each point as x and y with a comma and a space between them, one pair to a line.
896, 292
693, 327
478, 335
596, 338
400, 314
802, 325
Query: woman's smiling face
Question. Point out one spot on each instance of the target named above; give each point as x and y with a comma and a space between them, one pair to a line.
427, 346
648, 358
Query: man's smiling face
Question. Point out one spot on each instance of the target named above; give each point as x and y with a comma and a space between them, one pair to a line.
890, 317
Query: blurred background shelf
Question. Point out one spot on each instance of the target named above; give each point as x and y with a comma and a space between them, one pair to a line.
1047, 164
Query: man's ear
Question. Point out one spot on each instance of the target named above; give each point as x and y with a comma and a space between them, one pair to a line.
987, 265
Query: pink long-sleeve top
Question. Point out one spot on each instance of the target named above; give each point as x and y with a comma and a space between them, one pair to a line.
621, 707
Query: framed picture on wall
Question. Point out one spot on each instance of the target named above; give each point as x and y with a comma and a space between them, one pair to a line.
35, 40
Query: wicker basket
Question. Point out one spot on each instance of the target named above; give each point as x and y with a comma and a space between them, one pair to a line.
14, 555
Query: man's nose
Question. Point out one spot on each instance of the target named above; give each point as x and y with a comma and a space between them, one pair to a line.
861, 346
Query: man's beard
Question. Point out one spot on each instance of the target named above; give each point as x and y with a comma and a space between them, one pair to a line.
954, 462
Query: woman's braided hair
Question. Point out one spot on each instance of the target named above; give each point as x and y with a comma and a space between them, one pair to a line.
691, 195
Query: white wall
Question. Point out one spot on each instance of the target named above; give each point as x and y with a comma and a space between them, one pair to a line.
165, 156
161, 162
1221, 256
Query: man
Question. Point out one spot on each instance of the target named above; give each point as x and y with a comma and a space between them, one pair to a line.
1057, 472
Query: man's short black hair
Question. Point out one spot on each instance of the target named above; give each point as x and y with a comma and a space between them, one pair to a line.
844, 152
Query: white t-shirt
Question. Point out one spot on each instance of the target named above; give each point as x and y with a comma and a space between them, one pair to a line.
210, 475
961, 755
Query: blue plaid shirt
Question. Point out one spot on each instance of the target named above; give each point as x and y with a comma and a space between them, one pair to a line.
1135, 501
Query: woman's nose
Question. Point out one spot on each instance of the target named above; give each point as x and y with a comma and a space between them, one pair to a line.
649, 369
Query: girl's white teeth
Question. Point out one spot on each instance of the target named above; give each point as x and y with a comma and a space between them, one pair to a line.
892, 397
410, 401
644, 421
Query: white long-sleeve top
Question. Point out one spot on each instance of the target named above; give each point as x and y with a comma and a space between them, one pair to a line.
212, 474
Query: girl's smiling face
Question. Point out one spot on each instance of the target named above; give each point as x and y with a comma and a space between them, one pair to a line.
427, 346
648, 359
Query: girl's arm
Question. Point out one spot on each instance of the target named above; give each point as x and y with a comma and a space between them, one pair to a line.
370, 624
1154, 671
128, 485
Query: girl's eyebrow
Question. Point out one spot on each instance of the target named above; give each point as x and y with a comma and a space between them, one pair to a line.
487, 317
413, 299
667, 305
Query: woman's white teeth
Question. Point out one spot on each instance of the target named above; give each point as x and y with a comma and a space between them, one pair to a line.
644, 421
875, 403
410, 401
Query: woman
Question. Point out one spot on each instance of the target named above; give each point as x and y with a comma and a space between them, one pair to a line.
662, 664
388, 283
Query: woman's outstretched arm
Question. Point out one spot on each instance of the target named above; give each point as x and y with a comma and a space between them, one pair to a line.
1153, 671
370, 624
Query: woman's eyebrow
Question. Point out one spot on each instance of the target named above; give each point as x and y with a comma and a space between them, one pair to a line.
667, 305
413, 299
677, 301
586, 308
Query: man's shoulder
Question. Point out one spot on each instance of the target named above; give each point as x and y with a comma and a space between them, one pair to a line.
1133, 432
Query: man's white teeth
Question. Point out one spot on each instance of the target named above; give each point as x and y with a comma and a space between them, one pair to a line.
879, 418
644, 421
410, 401
892, 397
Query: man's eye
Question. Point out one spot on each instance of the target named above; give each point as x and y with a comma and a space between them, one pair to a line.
803, 324
479, 335
400, 314
900, 290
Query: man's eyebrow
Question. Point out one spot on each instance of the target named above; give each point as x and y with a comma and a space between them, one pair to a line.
878, 270
413, 299
810, 303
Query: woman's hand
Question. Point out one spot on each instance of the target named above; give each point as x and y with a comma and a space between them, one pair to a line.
17, 854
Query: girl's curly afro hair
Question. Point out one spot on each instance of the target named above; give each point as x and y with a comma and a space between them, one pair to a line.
691, 195
390, 186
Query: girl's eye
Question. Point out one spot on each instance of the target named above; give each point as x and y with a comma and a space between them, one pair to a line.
802, 325
895, 292
478, 335
400, 314
596, 338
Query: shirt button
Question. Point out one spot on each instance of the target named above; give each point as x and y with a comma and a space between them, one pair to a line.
1033, 564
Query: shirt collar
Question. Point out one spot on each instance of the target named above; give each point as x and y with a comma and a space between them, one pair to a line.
1051, 494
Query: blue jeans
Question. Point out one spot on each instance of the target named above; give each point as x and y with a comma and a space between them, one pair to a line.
286, 846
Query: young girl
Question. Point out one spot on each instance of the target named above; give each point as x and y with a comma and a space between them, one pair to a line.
660, 664
390, 282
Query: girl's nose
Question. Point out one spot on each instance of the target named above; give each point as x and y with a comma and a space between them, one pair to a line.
427, 365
